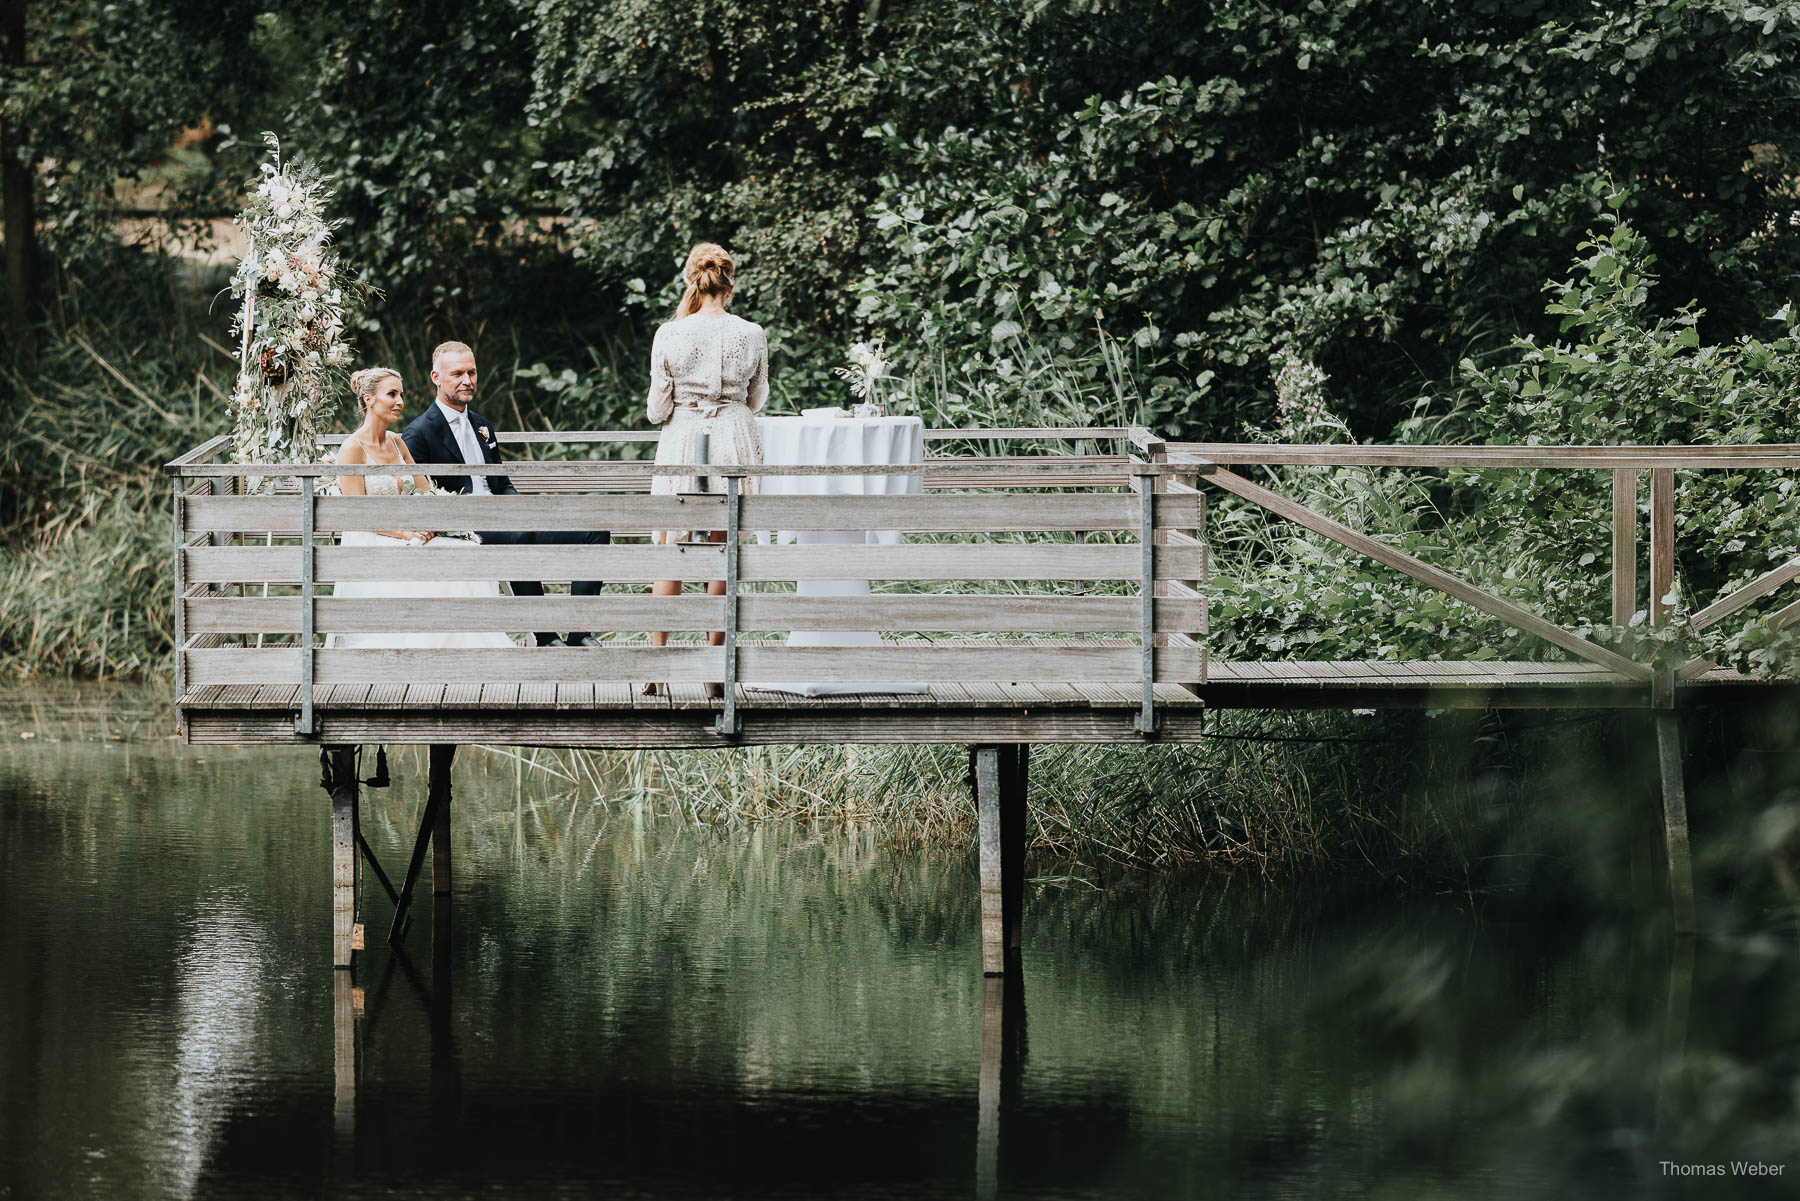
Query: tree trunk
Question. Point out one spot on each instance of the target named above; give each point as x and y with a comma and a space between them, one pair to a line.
21, 210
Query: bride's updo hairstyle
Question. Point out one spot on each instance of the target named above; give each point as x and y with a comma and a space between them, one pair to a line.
363, 383
708, 273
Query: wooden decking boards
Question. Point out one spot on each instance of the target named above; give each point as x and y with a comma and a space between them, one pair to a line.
614, 714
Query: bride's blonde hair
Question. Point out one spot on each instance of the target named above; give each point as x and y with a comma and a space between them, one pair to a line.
708, 273
363, 383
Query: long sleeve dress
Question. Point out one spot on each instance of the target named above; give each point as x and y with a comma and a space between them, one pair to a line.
708, 375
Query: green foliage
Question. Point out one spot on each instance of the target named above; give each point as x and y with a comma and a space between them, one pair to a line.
1620, 374
105, 90
1380, 186
1623, 374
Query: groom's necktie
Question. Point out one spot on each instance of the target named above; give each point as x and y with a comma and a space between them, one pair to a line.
471, 451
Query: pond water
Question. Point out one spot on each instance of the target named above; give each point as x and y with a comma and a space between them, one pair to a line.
631, 1005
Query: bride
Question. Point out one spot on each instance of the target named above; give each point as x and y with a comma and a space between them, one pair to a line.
380, 395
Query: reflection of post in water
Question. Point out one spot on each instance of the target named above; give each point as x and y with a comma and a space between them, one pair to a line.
1675, 1020
446, 1077
346, 1059
1002, 1070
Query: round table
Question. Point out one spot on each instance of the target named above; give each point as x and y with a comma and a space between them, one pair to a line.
827, 439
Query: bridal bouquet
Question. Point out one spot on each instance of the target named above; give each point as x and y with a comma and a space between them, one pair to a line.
292, 344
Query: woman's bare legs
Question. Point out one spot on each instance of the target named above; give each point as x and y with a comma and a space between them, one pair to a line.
716, 637
661, 637
663, 588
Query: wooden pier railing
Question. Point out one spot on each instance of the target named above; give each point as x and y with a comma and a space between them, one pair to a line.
1211, 462
1052, 569
1075, 574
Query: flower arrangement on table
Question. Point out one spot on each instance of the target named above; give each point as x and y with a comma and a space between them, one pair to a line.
291, 318
866, 371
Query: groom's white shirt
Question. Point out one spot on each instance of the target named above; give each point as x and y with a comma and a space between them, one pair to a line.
471, 448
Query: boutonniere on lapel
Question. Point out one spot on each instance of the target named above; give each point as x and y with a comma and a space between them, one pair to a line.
485, 436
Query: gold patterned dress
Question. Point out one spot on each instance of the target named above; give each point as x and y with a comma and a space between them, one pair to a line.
709, 374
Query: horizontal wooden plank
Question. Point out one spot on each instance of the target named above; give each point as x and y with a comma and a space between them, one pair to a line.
443, 562
989, 467
965, 561
248, 665
579, 437
902, 662
675, 727
347, 615
962, 663
537, 512
1551, 457
891, 663
756, 612
991, 513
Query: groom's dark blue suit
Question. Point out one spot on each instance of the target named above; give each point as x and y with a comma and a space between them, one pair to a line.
431, 440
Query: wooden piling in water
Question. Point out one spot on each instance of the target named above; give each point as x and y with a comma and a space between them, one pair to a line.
1015, 769
999, 776
344, 788
1675, 822
442, 756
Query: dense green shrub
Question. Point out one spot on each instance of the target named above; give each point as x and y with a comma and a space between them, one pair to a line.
1620, 372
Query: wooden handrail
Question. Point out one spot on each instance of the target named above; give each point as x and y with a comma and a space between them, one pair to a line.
940, 434
973, 466
1570, 458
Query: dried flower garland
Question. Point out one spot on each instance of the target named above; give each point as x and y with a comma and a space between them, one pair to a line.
290, 324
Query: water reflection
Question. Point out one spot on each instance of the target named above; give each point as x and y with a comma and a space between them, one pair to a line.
1002, 1065
219, 987
624, 1004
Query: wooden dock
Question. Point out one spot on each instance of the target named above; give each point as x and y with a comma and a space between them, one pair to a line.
1056, 596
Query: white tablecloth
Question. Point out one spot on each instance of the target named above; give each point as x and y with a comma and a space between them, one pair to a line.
823, 439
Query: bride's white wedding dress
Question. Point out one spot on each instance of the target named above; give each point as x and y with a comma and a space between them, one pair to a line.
387, 485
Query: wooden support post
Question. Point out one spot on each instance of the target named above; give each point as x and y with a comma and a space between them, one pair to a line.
999, 773
1662, 570
343, 854
1675, 823
1662, 543
1624, 546
986, 764
442, 756
1015, 769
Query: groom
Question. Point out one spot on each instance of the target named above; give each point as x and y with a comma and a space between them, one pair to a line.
449, 431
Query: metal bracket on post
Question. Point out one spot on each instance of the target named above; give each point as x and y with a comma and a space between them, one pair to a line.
727, 724
305, 723
1145, 722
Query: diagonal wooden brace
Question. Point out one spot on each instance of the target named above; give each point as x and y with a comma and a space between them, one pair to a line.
1516, 616
403, 903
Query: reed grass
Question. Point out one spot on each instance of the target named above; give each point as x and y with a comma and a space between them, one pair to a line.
1388, 794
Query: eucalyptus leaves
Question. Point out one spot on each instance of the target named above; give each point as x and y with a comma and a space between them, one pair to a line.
292, 343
